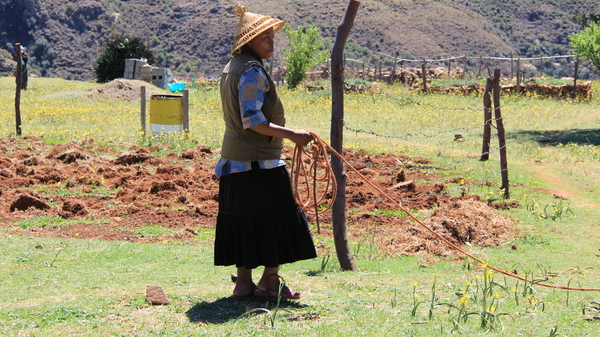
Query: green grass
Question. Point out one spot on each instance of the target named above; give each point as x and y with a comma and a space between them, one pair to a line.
95, 288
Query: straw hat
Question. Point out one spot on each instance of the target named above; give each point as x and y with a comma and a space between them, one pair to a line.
251, 25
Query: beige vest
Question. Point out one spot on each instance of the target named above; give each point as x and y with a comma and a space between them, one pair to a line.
241, 144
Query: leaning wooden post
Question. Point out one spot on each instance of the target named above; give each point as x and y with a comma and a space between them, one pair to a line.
487, 120
186, 113
143, 109
501, 135
19, 77
337, 129
575, 80
424, 76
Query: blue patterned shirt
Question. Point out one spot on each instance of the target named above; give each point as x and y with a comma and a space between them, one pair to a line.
253, 88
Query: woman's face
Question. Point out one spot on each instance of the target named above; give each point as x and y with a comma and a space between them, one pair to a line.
263, 44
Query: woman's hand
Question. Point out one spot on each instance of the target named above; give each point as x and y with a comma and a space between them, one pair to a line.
301, 137
298, 136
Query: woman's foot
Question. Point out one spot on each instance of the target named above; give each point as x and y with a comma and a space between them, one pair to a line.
269, 287
244, 291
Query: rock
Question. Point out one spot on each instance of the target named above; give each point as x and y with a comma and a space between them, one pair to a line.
156, 295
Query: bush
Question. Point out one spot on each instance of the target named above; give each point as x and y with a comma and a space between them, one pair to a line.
111, 62
305, 52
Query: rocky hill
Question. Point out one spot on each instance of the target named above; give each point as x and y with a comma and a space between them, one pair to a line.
193, 37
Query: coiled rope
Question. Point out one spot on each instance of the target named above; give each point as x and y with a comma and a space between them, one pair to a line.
319, 151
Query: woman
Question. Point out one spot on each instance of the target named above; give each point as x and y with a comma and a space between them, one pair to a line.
259, 223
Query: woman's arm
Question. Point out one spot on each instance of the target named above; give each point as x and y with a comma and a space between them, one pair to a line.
298, 136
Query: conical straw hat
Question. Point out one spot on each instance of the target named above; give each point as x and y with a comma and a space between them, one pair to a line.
251, 25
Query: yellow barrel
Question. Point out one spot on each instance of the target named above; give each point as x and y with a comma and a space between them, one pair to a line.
166, 114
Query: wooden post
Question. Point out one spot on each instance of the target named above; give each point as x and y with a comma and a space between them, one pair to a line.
424, 75
380, 70
512, 72
465, 66
186, 112
501, 135
337, 127
575, 80
518, 87
487, 119
393, 76
541, 66
449, 65
19, 77
143, 109
363, 70
480, 66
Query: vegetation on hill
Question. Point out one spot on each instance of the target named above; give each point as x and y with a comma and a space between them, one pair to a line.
194, 37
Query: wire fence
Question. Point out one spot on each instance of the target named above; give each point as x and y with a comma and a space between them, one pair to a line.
557, 66
489, 121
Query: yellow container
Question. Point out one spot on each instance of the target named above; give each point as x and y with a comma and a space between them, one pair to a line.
166, 114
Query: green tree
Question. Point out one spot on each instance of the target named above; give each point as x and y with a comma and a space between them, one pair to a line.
586, 44
305, 52
111, 62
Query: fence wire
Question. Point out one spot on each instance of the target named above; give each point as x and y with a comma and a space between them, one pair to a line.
491, 122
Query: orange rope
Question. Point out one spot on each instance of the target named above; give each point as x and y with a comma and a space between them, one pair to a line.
320, 148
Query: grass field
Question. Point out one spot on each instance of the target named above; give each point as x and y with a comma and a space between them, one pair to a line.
65, 287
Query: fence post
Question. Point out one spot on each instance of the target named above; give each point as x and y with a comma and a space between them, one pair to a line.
541, 66
487, 120
380, 70
449, 65
363, 70
501, 135
143, 109
480, 66
465, 66
393, 76
186, 113
518, 87
424, 75
338, 211
512, 71
575, 80
19, 77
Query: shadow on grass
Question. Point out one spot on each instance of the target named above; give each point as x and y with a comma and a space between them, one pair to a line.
555, 137
227, 308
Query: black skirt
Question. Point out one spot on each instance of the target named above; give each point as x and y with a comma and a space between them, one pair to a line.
259, 222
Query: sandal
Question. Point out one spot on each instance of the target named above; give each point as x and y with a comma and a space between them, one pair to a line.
286, 292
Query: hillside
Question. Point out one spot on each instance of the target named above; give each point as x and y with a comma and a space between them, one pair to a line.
193, 37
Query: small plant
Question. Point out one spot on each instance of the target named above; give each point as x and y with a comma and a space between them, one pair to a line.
481, 299
555, 211
552, 211
417, 300
272, 315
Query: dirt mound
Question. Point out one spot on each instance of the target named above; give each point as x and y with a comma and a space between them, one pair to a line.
110, 195
125, 90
